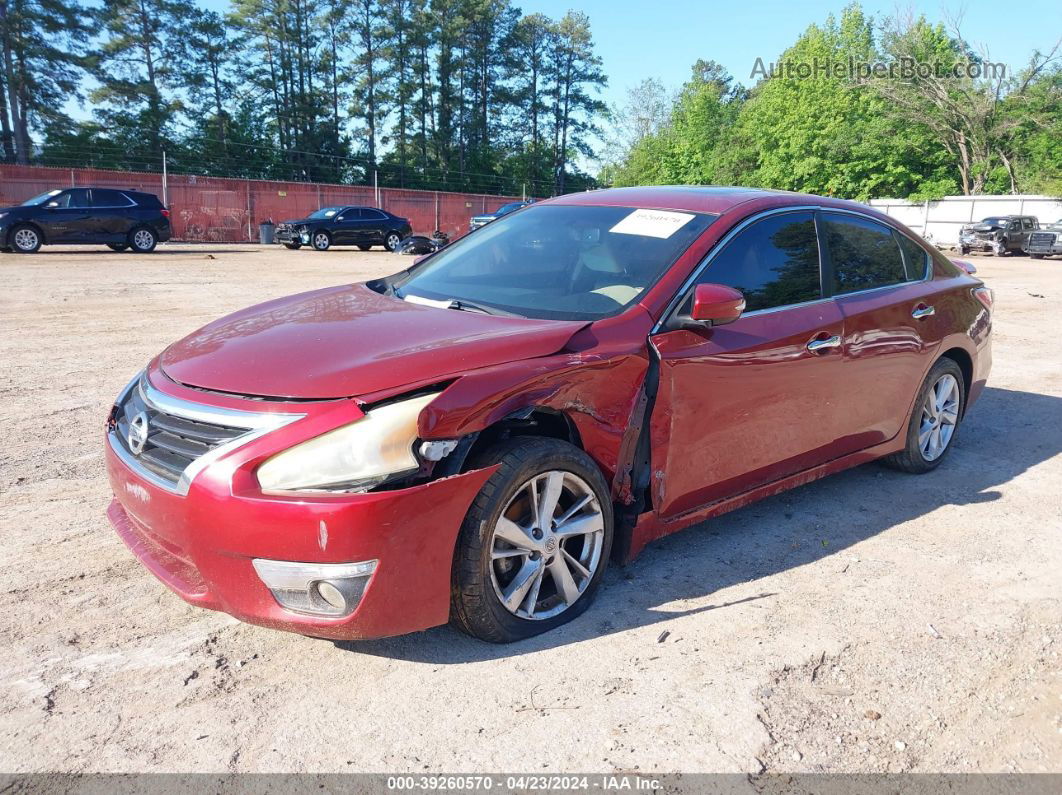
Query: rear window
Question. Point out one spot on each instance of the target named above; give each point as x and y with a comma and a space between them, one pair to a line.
915, 258
864, 254
108, 198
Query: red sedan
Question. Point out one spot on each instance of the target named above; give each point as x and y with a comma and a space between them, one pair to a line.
474, 438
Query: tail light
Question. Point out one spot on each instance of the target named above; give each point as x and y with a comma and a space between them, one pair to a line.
985, 296
165, 213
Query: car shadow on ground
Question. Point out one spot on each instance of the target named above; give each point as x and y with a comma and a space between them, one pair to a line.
780, 533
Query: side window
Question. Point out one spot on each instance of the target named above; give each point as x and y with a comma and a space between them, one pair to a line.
373, 215
774, 262
1028, 223
75, 197
108, 198
353, 214
864, 254
915, 258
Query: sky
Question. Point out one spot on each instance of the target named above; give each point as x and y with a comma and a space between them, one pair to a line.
638, 39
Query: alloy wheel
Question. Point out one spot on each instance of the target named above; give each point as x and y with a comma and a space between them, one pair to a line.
546, 545
392, 241
26, 239
143, 239
320, 241
940, 415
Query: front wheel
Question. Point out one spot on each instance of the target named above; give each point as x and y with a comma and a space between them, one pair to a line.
293, 246
935, 420
143, 240
392, 240
321, 241
25, 239
535, 543
1037, 256
965, 250
364, 246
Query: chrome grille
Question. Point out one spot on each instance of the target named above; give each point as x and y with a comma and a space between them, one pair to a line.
1042, 239
173, 442
175, 439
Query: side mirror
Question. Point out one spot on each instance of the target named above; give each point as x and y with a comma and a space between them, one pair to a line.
716, 304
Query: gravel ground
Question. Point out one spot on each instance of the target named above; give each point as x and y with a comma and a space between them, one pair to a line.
870, 622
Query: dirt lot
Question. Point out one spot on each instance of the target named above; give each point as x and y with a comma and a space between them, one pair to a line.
872, 621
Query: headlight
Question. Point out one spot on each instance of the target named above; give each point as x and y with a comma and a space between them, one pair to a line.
2, 215
353, 458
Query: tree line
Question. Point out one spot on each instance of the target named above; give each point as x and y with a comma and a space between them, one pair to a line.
445, 94
942, 121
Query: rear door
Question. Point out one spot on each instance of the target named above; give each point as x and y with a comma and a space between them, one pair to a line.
756, 400
879, 280
375, 226
112, 215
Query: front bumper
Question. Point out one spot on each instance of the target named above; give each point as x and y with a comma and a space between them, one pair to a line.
202, 544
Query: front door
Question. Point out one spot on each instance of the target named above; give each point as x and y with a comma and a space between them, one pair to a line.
66, 218
748, 403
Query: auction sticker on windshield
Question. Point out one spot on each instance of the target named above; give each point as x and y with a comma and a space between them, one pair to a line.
651, 223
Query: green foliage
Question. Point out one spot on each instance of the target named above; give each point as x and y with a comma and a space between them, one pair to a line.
847, 135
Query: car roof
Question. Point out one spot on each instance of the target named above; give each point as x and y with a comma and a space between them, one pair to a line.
694, 198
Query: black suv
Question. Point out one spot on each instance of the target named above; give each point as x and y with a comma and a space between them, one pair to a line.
122, 219
363, 227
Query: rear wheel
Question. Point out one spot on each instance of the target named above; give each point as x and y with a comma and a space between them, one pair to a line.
25, 239
392, 240
321, 240
143, 240
934, 421
535, 543
117, 246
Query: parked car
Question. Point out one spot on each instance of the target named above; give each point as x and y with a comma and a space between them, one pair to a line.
363, 227
1000, 234
476, 436
482, 220
1045, 242
121, 219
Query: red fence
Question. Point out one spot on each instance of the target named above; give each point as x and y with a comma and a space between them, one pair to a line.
223, 210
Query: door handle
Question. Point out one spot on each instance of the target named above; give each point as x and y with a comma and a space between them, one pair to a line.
922, 311
824, 343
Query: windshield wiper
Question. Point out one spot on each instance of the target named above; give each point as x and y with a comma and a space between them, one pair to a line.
468, 306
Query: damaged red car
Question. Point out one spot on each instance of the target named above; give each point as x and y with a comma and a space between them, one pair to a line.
475, 438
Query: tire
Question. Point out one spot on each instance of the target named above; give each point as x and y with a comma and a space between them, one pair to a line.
364, 246
1037, 256
293, 246
965, 250
392, 241
913, 458
25, 239
480, 579
117, 246
143, 240
321, 240
5, 249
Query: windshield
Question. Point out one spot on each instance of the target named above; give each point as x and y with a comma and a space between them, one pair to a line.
508, 208
559, 262
41, 199
996, 221
325, 212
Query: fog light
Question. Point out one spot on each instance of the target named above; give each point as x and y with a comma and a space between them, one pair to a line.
332, 595
321, 589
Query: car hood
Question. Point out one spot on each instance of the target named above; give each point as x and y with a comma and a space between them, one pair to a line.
18, 208
296, 221
348, 341
984, 227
